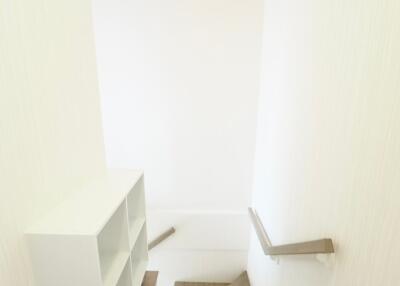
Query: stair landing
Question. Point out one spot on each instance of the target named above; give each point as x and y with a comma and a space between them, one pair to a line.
242, 280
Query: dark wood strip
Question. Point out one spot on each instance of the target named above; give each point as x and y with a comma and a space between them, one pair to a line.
150, 278
161, 238
200, 284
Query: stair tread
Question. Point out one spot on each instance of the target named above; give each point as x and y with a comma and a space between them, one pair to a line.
242, 280
150, 278
178, 283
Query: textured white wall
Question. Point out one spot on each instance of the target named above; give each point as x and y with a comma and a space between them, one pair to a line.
179, 85
328, 147
50, 122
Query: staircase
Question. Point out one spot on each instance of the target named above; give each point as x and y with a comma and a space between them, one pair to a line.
150, 278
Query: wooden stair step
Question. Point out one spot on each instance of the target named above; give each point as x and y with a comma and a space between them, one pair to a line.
150, 278
242, 280
200, 284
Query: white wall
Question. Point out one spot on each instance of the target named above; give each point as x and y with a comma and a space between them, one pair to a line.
50, 123
328, 155
179, 86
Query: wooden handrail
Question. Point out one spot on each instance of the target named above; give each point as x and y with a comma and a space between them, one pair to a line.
308, 247
161, 238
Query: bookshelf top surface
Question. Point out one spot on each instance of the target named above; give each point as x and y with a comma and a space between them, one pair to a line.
90, 207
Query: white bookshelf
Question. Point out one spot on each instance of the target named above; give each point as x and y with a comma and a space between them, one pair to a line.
126, 277
96, 238
139, 256
136, 211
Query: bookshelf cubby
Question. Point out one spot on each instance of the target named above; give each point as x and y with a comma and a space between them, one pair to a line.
139, 256
136, 210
